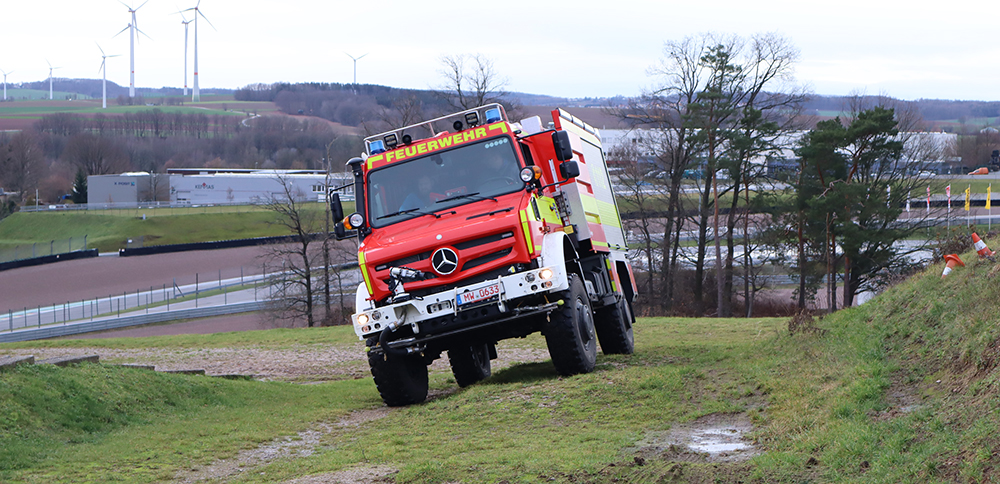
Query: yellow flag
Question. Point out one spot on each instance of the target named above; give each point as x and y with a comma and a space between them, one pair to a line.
967, 190
989, 190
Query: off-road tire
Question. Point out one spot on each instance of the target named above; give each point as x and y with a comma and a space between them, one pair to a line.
570, 333
470, 364
401, 380
614, 329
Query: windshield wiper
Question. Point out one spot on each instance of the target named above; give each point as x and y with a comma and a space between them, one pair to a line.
466, 195
413, 210
402, 212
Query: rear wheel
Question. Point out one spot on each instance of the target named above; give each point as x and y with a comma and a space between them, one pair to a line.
470, 364
570, 333
401, 379
614, 329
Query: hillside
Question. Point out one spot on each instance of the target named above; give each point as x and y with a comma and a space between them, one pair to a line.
108, 230
901, 389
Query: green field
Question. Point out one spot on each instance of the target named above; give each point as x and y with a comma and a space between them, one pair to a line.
109, 230
902, 389
9, 110
43, 94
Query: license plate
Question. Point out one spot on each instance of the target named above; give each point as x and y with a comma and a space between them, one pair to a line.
478, 295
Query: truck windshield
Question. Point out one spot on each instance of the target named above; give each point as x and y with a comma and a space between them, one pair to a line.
442, 180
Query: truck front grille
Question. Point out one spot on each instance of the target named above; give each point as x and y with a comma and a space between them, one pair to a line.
478, 261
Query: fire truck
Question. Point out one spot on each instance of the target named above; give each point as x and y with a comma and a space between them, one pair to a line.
474, 229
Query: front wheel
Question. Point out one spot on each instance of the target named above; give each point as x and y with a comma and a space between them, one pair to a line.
401, 379
470, 364
570, 333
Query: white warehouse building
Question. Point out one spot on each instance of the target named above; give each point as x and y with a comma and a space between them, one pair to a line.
209, 186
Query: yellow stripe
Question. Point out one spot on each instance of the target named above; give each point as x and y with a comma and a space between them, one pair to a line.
527, 231
502, 126
546, 208
364, 272
591, 208
602, 244
609, 214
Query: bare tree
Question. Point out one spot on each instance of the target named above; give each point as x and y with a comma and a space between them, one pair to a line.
404, 111
294, 287
471, 80
637, 187
662, 111
21, 163
96, 155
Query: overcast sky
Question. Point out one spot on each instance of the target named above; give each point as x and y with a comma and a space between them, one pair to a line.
581, 48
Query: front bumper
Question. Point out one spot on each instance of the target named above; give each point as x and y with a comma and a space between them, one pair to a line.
503, 292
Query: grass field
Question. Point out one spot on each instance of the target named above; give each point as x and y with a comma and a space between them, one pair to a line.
40, 94
902, 389
11, 110
109, 230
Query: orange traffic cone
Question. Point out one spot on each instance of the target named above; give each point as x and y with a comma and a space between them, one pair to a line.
981, 247
952, 260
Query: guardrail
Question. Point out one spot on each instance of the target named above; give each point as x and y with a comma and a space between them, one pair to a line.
137, 320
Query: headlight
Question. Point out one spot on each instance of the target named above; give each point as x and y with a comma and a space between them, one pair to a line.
529, 173
545, 274
362, 319
354, 221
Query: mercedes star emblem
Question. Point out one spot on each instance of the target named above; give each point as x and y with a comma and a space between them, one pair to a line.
444, 261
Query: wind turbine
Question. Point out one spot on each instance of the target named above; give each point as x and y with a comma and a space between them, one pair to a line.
355, 70
185, 21
5, 73
195, 93
50, 77
132, 28
104, 73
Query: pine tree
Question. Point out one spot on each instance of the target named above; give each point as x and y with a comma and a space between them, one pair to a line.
80, 187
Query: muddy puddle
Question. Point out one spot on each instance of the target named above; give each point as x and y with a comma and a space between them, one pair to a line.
713, 438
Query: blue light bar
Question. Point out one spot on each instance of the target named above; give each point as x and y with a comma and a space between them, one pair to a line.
376, 147
493, 115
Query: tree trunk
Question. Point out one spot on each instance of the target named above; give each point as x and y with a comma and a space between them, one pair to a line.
802, 263
699, 267
747, 261
849, 283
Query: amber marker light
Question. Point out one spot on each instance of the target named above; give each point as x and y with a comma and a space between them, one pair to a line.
529, 173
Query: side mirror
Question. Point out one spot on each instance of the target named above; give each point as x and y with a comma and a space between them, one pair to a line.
569, 169
561, 143
339, 231
336, 208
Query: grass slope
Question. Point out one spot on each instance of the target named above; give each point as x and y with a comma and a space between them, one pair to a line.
108, 230
902, 389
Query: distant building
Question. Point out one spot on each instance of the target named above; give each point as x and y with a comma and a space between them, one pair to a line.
207, 186
116, 189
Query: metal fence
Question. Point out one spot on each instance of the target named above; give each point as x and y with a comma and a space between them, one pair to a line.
166, 298
40, 249
208, 290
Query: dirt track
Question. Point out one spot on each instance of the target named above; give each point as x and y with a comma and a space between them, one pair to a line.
102, 276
